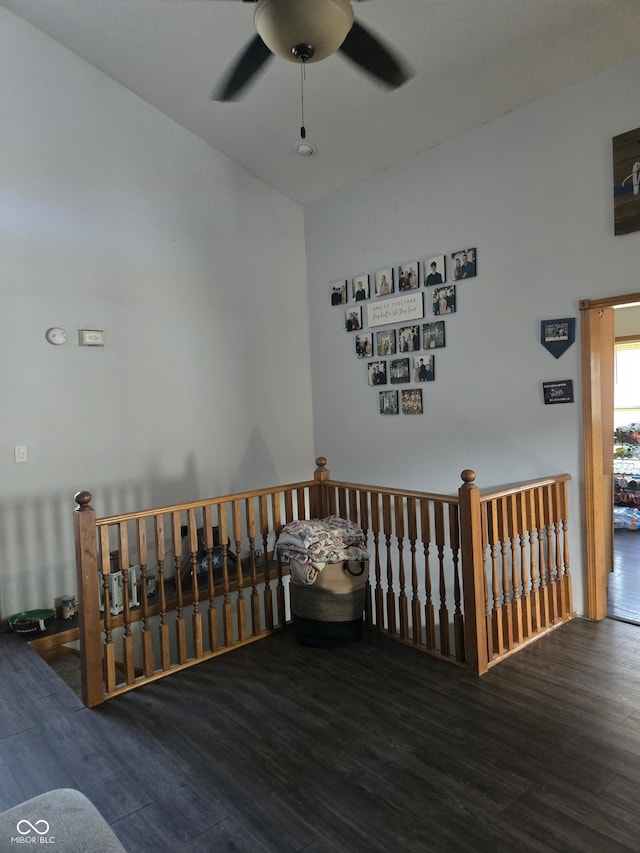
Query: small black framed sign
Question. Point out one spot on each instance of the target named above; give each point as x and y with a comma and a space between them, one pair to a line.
558, 335
560, 391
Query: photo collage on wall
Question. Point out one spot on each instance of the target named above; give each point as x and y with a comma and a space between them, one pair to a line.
397, 324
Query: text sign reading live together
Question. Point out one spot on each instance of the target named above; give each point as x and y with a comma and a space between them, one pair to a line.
408, 307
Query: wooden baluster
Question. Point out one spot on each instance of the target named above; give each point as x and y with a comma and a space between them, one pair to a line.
342, 503
127, 640
416, 606
251, 534
363, 509
281, 614
196, 623
429, 609
493, 534
487, 596
227, 616
301, 503
176, 541
163, 627
524, 569
507, 593
512, 518
558, 549
545, 619
391, 596
331, 501
241, 607
557, 524
551, 555
458, 620
378, 595
146, 637
267, 596
288, 507
109, 649
564, 513
353, 506
557, 536
532, 527
445, 643
403, 604
212, 613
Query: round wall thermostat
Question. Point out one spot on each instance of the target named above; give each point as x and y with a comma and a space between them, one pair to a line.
56, 336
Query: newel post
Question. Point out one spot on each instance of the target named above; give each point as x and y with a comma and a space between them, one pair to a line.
319, 505
473, 579
88, 601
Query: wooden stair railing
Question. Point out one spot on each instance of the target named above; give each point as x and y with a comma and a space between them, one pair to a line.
217, 583
470, 577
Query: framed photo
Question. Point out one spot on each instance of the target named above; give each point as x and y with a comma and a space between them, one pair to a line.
463, 264
434, 271
433, 335
360, 288
444, 300
409, 338
558, 335
353, 319
388, 402
411, 401
399, 371
384, 282
626, 182
558, 392
423, 368
408, 276
364, 345
377, 372
339, 292
386, 342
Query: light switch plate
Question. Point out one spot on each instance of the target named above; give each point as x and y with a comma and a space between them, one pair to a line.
20, 453
91, 337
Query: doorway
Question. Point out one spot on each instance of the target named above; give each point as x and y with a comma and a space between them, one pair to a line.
623, 592
598, 339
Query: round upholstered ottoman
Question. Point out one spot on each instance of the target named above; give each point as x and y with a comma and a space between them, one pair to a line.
329, 612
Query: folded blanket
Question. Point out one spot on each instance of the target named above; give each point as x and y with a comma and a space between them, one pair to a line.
317, 542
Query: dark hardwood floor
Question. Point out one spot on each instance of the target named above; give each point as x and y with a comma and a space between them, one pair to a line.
623, 590
369, 747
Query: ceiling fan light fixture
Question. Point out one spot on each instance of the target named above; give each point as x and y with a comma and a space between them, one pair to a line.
284, 24
306, 149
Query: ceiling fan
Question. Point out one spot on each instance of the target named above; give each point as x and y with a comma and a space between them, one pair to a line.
307, 31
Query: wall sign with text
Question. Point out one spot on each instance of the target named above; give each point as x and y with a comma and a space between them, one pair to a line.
560, 391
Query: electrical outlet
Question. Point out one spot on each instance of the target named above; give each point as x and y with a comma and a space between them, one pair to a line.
20, 453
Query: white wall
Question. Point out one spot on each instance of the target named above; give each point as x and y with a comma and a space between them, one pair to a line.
113, 217
533, 192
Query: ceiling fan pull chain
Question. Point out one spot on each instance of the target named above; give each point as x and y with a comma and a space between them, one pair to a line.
303, 130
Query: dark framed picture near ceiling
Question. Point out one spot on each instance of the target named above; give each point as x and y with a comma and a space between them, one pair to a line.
396, 315
626, 182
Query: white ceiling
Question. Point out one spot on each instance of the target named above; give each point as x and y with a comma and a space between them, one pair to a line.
474, 60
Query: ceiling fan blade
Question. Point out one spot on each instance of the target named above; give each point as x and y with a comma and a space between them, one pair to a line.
248, 64
368, 53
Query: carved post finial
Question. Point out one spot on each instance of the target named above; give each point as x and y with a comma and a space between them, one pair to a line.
468, 476
321, 462
82, 499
